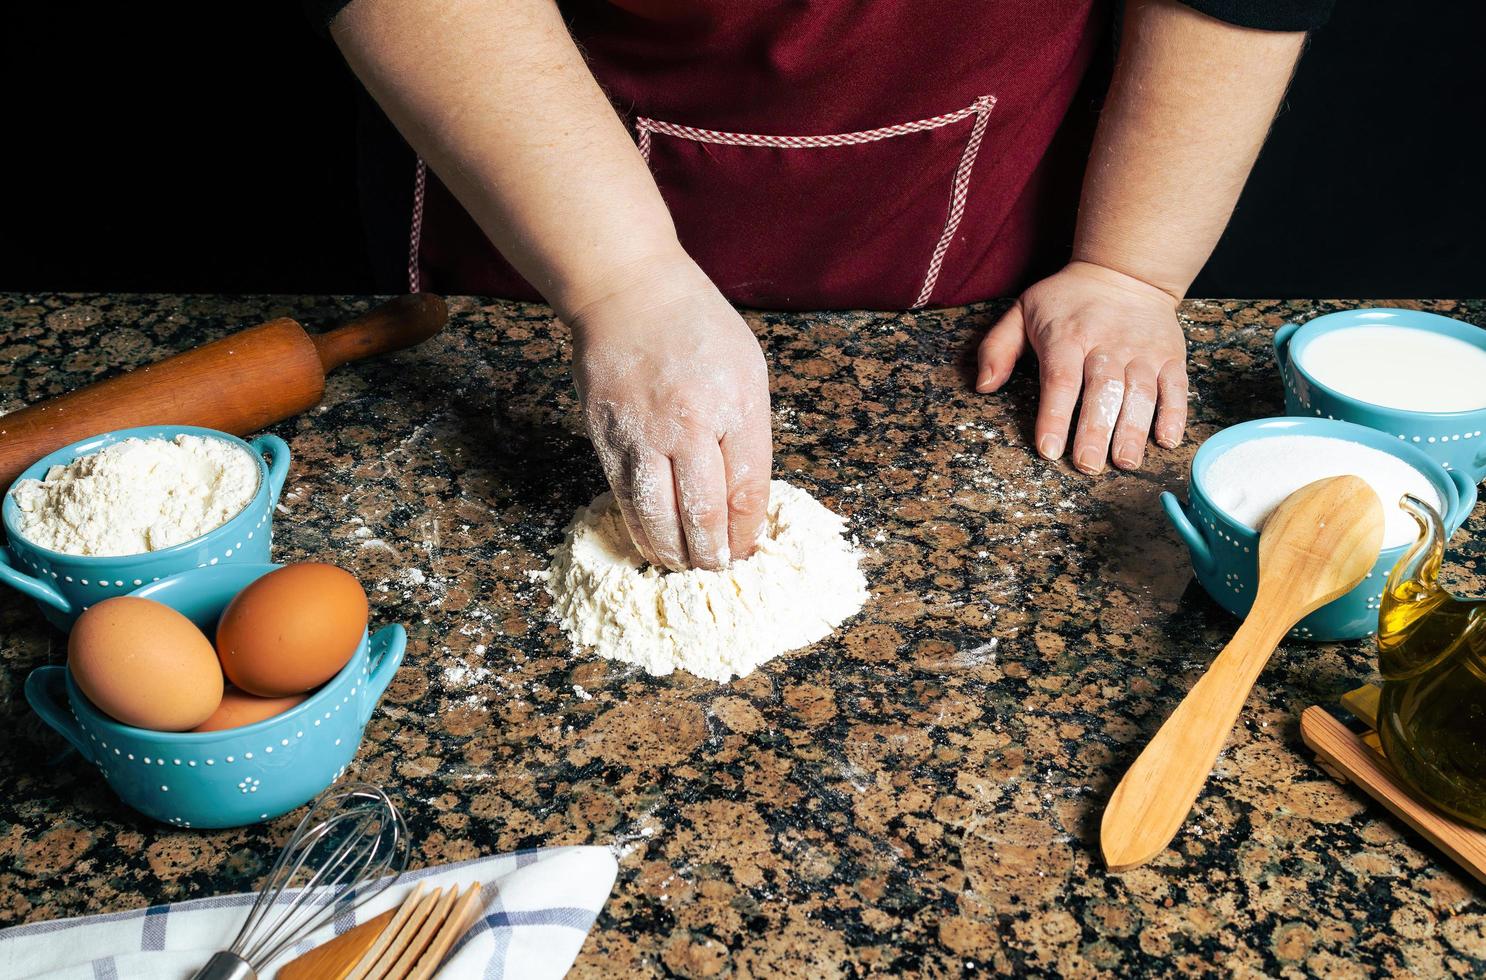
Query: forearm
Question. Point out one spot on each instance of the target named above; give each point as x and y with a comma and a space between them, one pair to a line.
1189, 106
497, 100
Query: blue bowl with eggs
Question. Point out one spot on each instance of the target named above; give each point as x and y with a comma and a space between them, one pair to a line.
235, 776
64, 585
1225, 552
1454, 439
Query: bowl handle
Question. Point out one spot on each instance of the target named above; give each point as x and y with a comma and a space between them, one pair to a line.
1282, 344
387, 647
46, 689
1480, 471
278, 470
1466, 487
30, 585
1187, 530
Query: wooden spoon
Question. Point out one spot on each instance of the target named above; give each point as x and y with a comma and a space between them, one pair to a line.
1316, 546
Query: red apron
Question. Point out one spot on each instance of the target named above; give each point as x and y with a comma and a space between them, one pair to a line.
830, 153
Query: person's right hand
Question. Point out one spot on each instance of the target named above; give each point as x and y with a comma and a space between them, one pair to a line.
675, 395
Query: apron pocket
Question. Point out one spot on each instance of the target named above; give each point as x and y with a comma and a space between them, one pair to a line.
861, 219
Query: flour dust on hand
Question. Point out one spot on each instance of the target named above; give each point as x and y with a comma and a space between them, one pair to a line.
675, 396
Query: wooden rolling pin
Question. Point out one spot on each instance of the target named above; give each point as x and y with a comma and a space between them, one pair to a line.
238, 384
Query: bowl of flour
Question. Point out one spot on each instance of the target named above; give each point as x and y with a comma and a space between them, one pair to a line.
1241, 474
113, 512
1417, 376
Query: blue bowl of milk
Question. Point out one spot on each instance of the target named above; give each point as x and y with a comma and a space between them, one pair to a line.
1417, 376
1243, 472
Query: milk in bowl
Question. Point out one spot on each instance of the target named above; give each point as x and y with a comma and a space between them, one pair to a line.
1399, 367
1419, 377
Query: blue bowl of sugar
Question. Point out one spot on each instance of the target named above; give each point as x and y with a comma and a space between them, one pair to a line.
1417, 376
1241, 474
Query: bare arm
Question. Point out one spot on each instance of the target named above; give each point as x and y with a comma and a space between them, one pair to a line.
497, 99
1188, 109
495, 96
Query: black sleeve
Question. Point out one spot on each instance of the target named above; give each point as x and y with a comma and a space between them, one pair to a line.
322, 12
1267, 15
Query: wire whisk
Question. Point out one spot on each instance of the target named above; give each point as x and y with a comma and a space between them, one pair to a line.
352, 844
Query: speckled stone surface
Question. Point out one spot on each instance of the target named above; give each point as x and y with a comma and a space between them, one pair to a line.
919, 794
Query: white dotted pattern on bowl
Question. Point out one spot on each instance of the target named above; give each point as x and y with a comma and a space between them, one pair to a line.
1425, 440
1232, 581
248, 784
42, 571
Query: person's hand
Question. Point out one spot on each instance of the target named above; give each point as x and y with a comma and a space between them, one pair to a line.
675, 395
1113, 336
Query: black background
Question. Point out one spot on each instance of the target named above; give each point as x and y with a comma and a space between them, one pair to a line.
211, 148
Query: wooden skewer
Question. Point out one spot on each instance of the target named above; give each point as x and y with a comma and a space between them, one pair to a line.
383, 967
464, 915
389, 933
424, 936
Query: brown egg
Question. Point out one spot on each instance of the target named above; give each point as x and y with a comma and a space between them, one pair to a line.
144, 664
291, 630
239, 708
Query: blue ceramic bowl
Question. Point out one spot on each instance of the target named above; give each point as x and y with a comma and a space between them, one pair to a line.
1453, 439
64, 585
1225, 553
240, 775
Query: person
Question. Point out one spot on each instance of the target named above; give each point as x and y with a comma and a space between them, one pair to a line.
642, 165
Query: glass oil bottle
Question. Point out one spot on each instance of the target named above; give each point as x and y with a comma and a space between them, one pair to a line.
1432, 651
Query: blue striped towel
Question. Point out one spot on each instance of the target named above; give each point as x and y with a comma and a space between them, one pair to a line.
539, 906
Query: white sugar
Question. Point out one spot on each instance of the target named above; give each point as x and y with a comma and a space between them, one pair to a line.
1250, 480
1399, 367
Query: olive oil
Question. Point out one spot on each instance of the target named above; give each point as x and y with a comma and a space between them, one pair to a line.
1432, 650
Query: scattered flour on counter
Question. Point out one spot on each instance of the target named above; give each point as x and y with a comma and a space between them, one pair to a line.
800, 584
1253, 478
137, 496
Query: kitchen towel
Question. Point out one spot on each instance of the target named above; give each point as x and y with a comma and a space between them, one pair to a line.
539, 906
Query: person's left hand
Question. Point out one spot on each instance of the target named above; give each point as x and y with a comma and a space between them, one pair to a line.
1111, 335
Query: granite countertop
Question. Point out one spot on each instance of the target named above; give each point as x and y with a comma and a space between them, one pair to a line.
921, 792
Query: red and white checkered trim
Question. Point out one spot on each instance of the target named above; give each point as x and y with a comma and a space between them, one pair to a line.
415, 227
959, 188
644, 127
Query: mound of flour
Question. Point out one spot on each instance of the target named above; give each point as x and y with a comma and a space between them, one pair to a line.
800, 584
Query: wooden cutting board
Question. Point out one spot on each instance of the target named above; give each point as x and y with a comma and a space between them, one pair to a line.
1359, 759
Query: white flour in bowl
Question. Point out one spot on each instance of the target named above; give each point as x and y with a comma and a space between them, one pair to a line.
800, 584
1253, 478
137, 496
